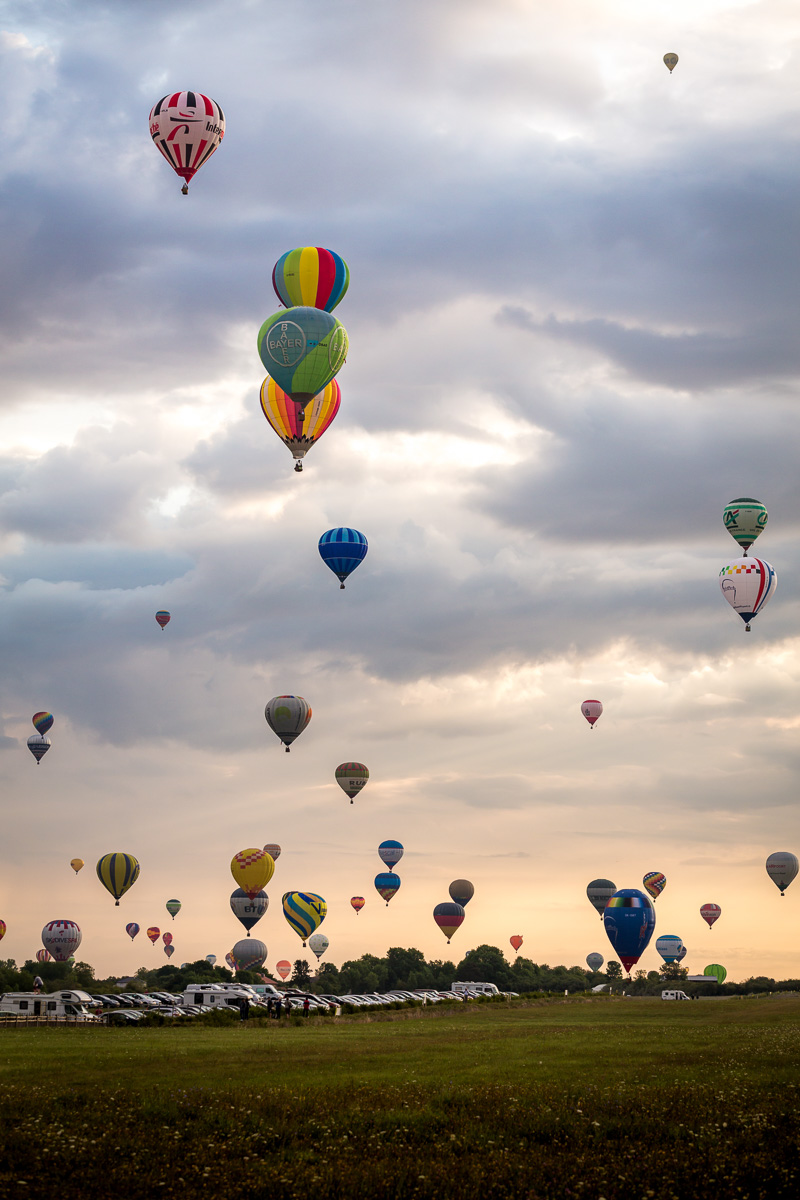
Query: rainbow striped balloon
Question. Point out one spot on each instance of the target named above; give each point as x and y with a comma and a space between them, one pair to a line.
311, 276
305, 912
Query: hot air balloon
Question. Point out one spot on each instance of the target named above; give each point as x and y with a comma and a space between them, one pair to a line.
117, 872
248, 954
357, 903
717, 971
42, 722
302, 349
594, 961
748, 584
390, 852
173, 907
669, 946
211, 959
654, 883
186, 127
132, 929
448, 917
62, 939
387, 884
284, 968
249, 910
273, 850
287, 716
782, 868
744, 520
231, 961
154, 933
169, 950
38, 745
710, 913
351, 778
670, 62
318, 944
600, 892
681, 955
252, 870
299, 426
76, 864
167, 939
163, 618
629, 919
43, 956
461, 891
312, 276
342, 550
516, 941
305, 912
592, 710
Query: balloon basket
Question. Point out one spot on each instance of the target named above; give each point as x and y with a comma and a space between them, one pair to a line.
298, 466
185, 190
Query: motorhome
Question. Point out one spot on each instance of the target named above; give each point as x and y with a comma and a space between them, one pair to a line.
475, 989
674, 994
216, 995
72, 1005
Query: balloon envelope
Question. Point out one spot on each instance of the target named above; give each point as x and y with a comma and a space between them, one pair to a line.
748, 584
669, 946
299, 427
163, 618
629, 920
186, 127
43, 956
461, 891
249, 910
167, 939
3, 928
342, 550
252, 870
76, 864
516, 940
318, 944
710, 913
594, 961
681, 955
351, 778
249, 953
38, 745
449, 917
592, 710
305, 912
61, 939
302, 349
154, 933
169, 950
211, 958
310, 276
719, 973
287, 716
132, 929
357, 903
654, 883
387, 884
782, 868
600, 892
744, 519
173, 908
42, 722
670, 61
273, 850
390, 852
117, 872
284, 968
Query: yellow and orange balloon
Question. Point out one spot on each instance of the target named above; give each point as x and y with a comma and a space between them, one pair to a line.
252, 870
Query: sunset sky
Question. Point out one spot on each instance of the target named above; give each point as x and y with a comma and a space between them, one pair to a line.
573, 322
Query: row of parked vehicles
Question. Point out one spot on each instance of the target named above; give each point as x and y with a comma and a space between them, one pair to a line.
76, 1006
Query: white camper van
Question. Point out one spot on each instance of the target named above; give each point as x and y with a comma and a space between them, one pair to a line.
216, 995
674, 995
73, 1006
475, 989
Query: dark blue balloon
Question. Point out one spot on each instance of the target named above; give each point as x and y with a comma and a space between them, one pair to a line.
248, 911
629, 920
342, 550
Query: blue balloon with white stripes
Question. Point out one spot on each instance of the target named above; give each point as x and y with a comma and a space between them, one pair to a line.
342, 550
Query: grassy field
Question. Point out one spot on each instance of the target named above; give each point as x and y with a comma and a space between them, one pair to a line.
578, 1099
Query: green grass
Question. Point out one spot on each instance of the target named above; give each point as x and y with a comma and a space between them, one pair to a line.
585, 1098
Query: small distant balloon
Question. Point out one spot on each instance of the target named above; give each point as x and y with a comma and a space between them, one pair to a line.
186, 127
167, 939
287, 716
717, 971
231, 961
357, 902
782, 868
249, 953
744, 519
211, 959
318, 943
273, 850
594, 961
76, 864
42, 722
351, 778
670, 61
117, 872
342, 550
669, 946
515, 940
390, 852
43, 956
163, 618
132, 929
461, 891
38, 745
748, 584
387, 885
173, 908
449, 917
284, 968
592, 711
154, 933
654, 883
3, 928
681, 955
710, 913
600, 892
312, 276
169, 950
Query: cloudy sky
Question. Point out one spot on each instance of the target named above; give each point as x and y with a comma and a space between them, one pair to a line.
573, 338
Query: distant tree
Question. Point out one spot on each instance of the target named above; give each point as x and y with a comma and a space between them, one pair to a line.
328, 980
301, 973
402, 964
640, 976
673, 971
486, 964
613, 969
653, 977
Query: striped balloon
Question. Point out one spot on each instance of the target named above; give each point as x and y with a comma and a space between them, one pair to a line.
167, 939
273, 850
117, 872
42, 721
173, 908
38, 745
303, 349
748, 584
169, 950
351, 778
132, 930
654, 883
154, 933
305, 912
390, 852
744, 519
387, 884
287, 717
312, 276
284, 968
357, 902
187, 127
249, 953
342, 550
43, 956
449, 917
62, 939
297, 427
3, 928
163, 618
710, 913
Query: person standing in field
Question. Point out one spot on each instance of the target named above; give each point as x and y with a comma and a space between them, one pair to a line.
306, 1006
288, 1004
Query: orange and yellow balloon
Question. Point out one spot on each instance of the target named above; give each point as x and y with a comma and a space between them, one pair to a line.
299, 429
252, 870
